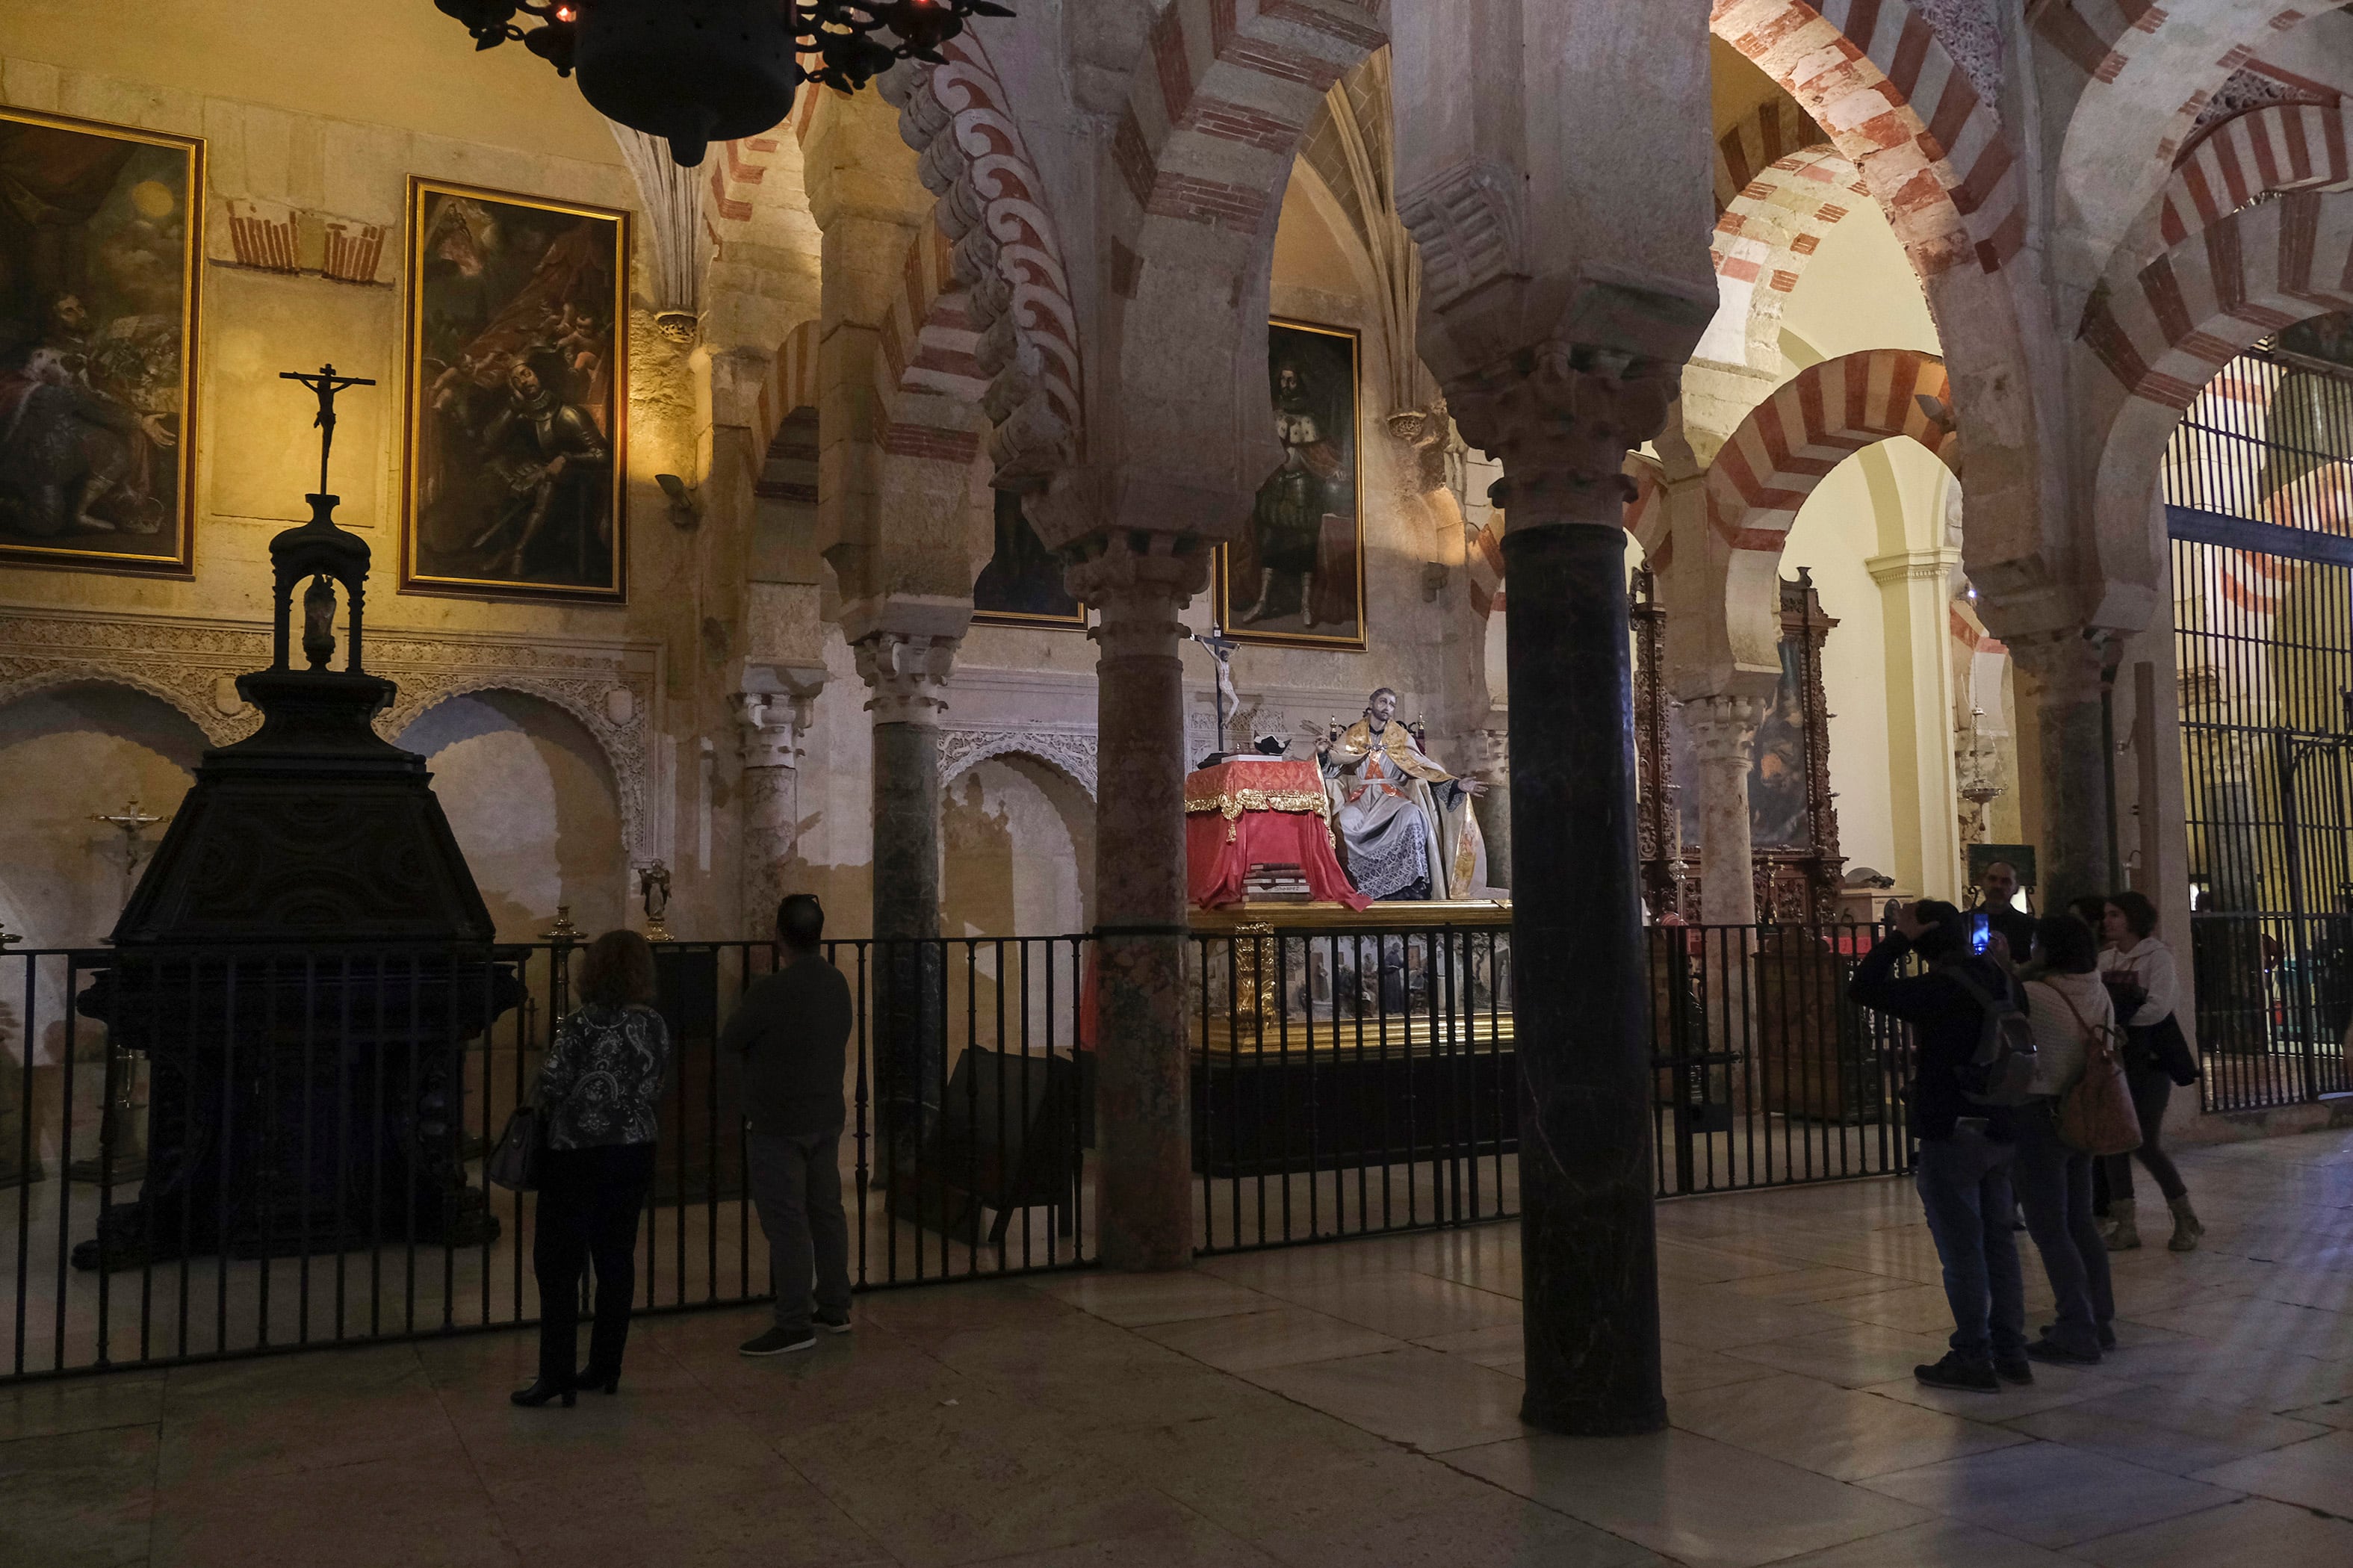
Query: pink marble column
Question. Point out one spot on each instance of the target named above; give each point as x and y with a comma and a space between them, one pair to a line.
1143, 1116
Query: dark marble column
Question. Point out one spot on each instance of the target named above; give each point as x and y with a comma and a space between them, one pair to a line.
1142, 1116
2071, 860
908, 674
1589, 1246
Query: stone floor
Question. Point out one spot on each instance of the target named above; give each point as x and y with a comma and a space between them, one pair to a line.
1350, 1404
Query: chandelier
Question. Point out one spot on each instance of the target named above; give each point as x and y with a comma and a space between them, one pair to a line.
694, 72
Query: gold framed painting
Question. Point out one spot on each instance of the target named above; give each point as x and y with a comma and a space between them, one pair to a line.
1296, 577
102, 240
516, 441
1022, 584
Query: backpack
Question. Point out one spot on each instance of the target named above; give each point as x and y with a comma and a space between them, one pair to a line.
2097, 1114
2002, 1073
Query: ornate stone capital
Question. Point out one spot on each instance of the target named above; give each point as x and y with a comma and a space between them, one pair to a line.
772, 725
1561, 417
1723, 729
1426, 434
908, 672
1471, 222
1912, 566
1139, 585
2068, 664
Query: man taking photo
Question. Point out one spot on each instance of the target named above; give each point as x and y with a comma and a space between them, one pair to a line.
792, 1031
1963, 1167
1998, 891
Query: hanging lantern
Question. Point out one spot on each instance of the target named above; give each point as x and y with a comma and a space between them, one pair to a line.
692, 72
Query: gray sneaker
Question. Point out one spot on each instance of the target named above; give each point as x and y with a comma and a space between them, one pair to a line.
777, 1341
833, 1325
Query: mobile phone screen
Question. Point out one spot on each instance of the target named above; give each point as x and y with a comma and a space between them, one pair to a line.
1980, 933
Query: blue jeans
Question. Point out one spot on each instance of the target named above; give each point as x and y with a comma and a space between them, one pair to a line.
2054, 1188
1964, 1181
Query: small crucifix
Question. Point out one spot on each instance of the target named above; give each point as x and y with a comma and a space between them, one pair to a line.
1222, 649
131, 822
326, 383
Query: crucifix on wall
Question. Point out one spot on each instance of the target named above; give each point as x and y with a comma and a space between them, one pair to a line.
132, 823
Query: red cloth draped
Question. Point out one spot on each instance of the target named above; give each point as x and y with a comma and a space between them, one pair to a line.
1220, 850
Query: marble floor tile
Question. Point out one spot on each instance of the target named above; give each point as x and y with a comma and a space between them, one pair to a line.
2251, 1377
1415, 1396
2053, 1388
1803, 1285
1486, 1346
1854, 1355
1495, 1529
2315, 1473
2162, 1430
1136, 1300
1194, 1544
1914, 1308
2256, 1322
2252, 1531
1831, 1431
78, 1500
1694, 1500
1405, 1306
1284, 1336
1935, 1543
2327, 1413
1716, 1318
1683, 1368
295, 1414
80, 1404
2048, 1494
386, 1514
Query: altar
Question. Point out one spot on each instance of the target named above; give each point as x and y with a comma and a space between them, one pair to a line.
1246, 811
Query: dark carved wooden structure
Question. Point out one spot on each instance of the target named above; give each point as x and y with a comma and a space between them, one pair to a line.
1795, 882
302, 963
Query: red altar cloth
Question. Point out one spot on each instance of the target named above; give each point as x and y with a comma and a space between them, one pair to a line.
1263, 811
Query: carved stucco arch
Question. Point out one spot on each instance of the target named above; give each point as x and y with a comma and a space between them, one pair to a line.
621, 745
218, 729
1072, 754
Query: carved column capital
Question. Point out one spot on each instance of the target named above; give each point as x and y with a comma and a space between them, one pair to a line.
1723, 729
1561, 418
770, 726
2068, 664
1138, 585
908, 673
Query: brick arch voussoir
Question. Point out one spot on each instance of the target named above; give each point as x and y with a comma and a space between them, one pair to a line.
1770, 231
1760, 139
2269, 150
1874, 75
1813, 422
790, 384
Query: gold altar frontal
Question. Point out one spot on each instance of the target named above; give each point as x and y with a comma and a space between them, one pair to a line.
1252, 1025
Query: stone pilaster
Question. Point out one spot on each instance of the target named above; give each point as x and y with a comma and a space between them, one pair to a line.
772, 715
1562, 418
1916, 590
1138, 586
1491, 765
2067, 669
1723, 732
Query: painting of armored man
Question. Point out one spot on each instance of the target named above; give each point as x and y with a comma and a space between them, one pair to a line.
1296, 577
517, 322
100, 235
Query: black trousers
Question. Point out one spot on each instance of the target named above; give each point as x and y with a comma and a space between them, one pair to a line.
589, 1200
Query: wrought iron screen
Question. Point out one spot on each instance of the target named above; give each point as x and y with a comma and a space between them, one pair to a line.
2258, 480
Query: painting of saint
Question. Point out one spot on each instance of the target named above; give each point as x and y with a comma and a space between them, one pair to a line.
1778, 800
517, 325
1022, 584
98, 244
1296, 577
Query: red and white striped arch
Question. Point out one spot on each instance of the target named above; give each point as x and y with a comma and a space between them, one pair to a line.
1874, 77
1769, 232
791, 383
1758, 140
1813, 423
2273, 148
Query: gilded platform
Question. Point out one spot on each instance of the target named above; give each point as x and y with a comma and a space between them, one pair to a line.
1321, 917
1348, 1039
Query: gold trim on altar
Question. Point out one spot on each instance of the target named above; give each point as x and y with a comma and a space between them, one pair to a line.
1233, 803
1290, 919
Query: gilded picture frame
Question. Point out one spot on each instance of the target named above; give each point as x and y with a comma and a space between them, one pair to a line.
1296, 577
99, 306
515, 416
1021, 584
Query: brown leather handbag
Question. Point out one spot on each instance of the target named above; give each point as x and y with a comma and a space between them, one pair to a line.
2097, 1114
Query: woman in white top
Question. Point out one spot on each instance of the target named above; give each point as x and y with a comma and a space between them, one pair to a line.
2054, 1181
2135, 957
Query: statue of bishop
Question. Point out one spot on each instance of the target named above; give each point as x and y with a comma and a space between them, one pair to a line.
1405, 824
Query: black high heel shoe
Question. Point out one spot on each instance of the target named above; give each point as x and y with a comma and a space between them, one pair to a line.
601, 1382
541, 1392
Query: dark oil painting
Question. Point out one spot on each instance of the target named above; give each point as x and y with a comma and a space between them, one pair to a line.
1778, 818
100, 237
1296, 577
516, 396
1022, 584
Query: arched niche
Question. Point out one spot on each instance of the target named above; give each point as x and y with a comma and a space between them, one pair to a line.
531, 797
1018, 847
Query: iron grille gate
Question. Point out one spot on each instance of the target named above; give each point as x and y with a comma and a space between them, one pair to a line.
2259, 487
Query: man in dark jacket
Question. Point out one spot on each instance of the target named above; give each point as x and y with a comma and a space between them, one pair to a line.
792, 1030
1963, 1166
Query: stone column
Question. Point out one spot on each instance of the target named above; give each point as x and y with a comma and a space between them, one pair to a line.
1142, 1116
773, 713
1562, 418
2073, 842
1723, 732
908, 673
1491, 765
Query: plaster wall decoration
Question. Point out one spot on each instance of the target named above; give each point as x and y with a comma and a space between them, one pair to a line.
2249, 87
1069, 753
192, 664
1008, 255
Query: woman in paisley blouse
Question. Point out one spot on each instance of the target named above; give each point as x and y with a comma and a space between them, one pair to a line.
597, 1096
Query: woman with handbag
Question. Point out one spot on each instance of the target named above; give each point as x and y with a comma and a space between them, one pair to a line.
2068, 1009
2142, 972
597, 1096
